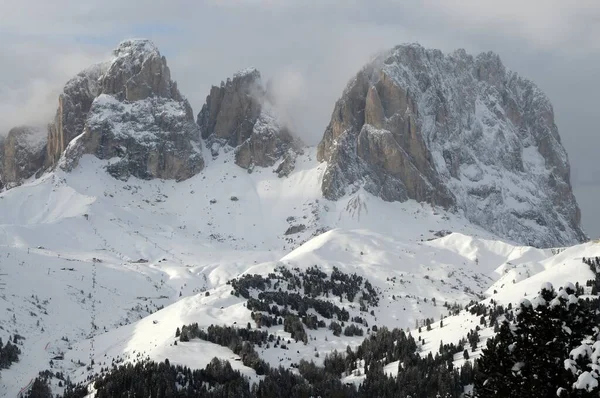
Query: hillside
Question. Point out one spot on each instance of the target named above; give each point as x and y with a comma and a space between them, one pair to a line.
90, 259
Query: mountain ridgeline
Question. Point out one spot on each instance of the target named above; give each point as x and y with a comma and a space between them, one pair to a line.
455, 131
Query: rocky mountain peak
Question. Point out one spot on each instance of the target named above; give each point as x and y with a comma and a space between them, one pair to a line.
232, 109
457, 131
239, 114
249, 75
136, 50
130, 111
138, 71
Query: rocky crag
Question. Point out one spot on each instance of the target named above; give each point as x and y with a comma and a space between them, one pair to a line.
238, 115
138, 118
456, 131
127, 111
22, 154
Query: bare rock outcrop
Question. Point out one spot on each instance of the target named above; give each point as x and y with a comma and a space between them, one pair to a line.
239, 115
455, 131
74, 103
23, 154
138, 119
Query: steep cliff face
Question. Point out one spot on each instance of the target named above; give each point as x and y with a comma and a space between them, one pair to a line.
137, 118
457, 131
23, 153
239, 115
74, 103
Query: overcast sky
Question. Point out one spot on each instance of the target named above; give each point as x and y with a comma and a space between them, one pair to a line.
310, 48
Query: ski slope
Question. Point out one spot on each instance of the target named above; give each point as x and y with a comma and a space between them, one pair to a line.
91, 261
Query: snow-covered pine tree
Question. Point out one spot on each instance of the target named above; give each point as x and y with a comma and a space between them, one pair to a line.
545, 350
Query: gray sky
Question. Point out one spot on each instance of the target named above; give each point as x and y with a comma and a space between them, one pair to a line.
310, 48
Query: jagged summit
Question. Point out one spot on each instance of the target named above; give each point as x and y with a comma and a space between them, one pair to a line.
239, 115
138, 71
127, 111
250, 71
457, 131
135, 48
454, 130
139, 120
231, 110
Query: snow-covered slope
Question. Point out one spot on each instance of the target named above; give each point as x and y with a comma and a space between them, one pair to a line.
90, 259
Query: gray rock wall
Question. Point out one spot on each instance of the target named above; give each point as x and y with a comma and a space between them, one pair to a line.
137, 118
456, 131
238, 114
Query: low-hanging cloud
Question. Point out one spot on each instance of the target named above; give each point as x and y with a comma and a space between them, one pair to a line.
288, 91
32, 79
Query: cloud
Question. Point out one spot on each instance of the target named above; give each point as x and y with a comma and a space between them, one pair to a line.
289, 94
32, 78
544, 24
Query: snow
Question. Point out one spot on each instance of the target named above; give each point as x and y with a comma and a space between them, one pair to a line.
245, 72
547, 286
133, 51
525, 303
517, 366
70, 244
582, 351
538, 302
496, 148
140, 120
586, 381
33, 139
375, 131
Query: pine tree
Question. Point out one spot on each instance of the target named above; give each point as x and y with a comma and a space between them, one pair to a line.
495, 378
527, 357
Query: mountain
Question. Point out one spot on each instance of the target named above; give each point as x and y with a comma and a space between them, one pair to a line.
127, 110
23, 153
456, 131
139, 120
128, 247
240, 115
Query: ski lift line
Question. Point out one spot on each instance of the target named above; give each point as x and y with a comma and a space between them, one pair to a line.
25, 389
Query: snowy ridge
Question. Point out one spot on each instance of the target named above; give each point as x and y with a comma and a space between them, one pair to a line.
88, 79
246, 72
140, 120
